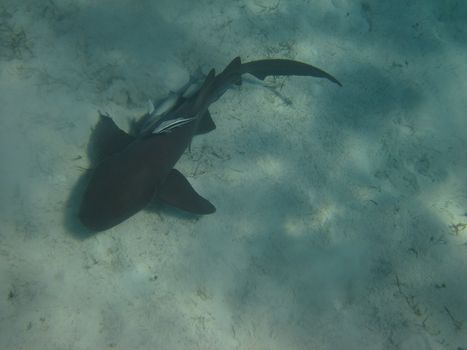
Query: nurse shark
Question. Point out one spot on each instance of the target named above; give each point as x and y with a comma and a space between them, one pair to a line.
133, 169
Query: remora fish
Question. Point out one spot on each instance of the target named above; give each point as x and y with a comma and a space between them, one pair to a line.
135, 169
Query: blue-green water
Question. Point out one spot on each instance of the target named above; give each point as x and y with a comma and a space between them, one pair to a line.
341, 212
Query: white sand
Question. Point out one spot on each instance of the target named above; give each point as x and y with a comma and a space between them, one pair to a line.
341, 219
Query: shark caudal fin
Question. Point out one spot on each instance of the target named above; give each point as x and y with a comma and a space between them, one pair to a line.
263, 68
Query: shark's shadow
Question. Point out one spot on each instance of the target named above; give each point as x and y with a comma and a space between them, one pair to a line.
72, 223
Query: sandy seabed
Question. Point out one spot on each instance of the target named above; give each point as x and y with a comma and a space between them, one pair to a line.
341, 216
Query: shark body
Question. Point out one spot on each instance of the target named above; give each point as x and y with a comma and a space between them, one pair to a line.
133, 170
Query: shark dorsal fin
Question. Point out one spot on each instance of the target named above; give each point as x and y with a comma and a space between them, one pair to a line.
234, 65
234, 69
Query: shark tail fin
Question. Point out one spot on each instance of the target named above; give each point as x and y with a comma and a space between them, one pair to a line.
264, 68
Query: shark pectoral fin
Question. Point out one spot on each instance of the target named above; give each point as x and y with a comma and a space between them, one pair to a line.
177, 191
206, 124
106, 139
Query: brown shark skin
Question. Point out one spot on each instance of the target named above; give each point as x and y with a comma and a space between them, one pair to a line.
125, 182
